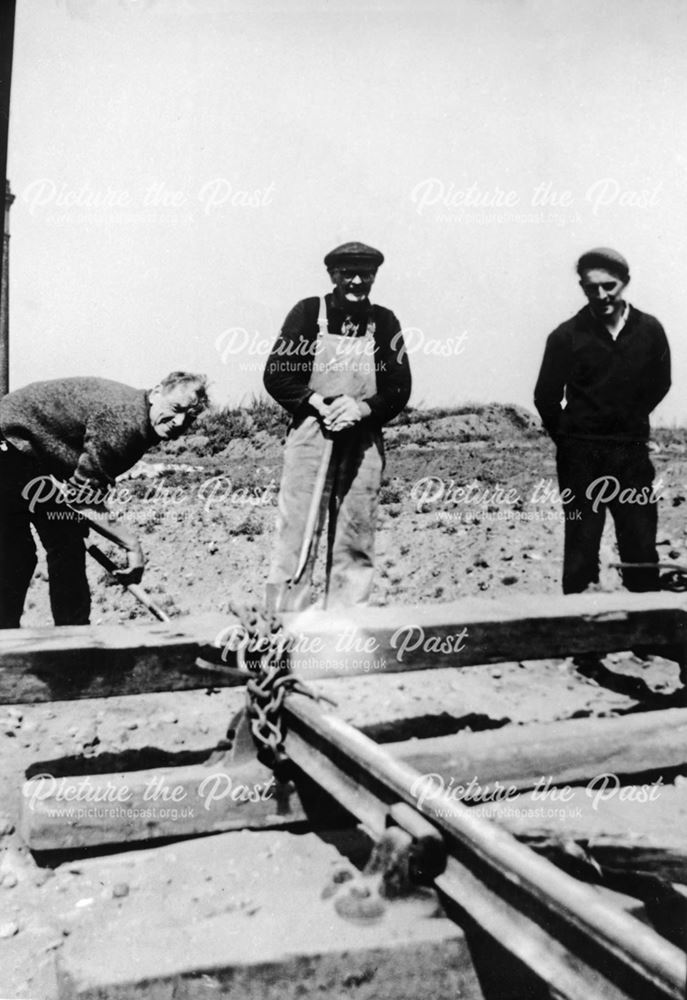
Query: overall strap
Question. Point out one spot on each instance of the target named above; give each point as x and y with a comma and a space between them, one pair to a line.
322, 318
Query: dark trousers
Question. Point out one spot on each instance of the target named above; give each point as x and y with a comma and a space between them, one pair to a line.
62, 536
618, 477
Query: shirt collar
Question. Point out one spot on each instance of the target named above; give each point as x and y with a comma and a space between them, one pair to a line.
624, 316
614, 331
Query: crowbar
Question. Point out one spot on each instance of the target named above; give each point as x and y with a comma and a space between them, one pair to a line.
675, 579
649, 565
135, 589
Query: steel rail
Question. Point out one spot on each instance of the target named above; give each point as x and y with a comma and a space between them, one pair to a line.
559, 927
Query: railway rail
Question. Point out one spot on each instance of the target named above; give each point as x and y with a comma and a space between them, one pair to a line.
573, 941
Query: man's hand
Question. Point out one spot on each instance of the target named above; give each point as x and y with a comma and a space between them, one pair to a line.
99, 519
319, 405
344, 412
133, 573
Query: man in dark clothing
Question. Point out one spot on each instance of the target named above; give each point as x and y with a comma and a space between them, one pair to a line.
612, 364
84, 432
340, 368
290, 365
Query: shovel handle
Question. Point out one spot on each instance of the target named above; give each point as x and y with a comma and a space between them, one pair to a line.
314, 509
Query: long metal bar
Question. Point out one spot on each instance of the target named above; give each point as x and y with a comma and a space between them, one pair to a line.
602, 951
100, 526
7, 17
135, 589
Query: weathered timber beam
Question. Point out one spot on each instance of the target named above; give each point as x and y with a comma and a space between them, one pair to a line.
552, 753
474, 631
100, 661
633, 829
516, 757
620, 854
81, 811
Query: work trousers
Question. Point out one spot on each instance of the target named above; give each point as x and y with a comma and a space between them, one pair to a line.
349, 502
62, 536
614, 476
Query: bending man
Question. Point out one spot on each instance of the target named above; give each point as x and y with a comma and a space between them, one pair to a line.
85, 432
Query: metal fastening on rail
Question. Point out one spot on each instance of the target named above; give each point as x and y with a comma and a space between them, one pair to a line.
409, 855
428, 854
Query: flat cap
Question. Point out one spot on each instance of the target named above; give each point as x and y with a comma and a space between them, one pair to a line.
609, 260
357, 254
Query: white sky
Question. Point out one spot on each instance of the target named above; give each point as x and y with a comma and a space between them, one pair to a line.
140, 129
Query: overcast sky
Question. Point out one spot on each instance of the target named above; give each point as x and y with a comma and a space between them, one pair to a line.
182, 166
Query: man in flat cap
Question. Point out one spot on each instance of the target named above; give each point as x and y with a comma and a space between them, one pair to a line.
84, 432
340, 369
612, 364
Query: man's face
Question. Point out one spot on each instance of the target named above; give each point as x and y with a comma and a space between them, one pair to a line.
172, 411
604, 292
353, 283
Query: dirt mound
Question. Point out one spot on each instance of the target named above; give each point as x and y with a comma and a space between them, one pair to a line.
476, 422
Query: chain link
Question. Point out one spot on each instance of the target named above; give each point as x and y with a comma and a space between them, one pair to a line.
264, 652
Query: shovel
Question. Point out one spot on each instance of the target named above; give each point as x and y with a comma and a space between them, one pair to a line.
314, 510
281, 597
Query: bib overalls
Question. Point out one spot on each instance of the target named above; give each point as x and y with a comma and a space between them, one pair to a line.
341, 366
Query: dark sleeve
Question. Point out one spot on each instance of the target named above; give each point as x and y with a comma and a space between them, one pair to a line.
658, 382
116, 433
100, 461
289, 366
392, 371
550, 387
110, 446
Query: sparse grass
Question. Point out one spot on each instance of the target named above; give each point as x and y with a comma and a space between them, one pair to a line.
391, 492
673, 435
250, 526
228, 423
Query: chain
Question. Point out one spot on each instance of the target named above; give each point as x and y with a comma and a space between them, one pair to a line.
264, 652
674, 579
